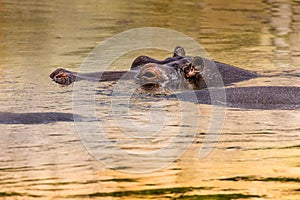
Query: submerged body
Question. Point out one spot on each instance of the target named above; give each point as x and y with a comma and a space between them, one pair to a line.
255, 97
35, 118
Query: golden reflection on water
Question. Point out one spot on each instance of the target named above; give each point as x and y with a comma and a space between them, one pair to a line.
49, 159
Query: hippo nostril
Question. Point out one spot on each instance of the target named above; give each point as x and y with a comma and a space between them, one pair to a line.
149, 75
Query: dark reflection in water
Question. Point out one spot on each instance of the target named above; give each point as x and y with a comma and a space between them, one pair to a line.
257, 153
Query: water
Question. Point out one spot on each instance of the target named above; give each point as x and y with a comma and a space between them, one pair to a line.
257, 155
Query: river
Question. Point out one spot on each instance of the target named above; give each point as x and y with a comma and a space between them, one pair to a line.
255, 155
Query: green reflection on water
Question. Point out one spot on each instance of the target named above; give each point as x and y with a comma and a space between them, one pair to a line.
217, 197
11, 194
155, 193
267, 179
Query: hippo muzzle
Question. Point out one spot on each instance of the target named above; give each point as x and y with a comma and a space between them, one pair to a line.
152, 76
157, 77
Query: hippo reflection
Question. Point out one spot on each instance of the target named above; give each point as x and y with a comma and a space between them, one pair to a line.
194, 73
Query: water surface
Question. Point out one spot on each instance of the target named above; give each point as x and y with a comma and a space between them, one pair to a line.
257, 155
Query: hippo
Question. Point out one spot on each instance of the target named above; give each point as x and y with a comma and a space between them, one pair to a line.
254, 97
197, 75
180, 70
36, 118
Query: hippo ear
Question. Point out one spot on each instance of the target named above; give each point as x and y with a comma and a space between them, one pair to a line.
179, 51
198, 63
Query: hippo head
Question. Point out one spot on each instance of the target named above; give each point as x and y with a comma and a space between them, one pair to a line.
171, 76
173, 73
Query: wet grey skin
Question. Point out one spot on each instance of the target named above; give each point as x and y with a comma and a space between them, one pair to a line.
256, 97
35, 118
194, 73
